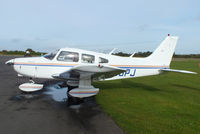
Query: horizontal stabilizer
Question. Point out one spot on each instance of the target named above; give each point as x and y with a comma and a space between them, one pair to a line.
179, 71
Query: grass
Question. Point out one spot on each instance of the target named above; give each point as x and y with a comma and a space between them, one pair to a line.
163, 104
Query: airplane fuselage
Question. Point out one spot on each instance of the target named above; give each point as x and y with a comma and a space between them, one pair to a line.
42, 67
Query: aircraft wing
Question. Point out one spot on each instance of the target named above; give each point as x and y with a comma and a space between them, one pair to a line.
93, 71
179, 71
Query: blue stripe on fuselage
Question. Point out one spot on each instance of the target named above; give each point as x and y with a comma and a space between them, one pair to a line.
73, 66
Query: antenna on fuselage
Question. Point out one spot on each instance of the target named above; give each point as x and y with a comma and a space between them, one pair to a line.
111, 52
132, 55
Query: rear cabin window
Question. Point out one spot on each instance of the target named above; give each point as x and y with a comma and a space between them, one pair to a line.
68, 56
103, 60
87, 58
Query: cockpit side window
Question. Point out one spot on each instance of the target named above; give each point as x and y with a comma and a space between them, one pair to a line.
103, 60
87, 58
68, 56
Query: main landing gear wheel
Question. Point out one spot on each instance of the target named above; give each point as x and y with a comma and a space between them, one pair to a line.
73, 100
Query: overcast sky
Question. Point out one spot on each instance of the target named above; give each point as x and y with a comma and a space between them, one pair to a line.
99, 25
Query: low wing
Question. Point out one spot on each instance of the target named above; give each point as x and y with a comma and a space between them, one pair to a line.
179, 71
94, 71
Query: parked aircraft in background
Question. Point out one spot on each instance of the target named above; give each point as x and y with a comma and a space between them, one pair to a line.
79, 67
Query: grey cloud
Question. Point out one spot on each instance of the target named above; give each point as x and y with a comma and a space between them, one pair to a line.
40, 39
198, 18
16, 40
143, 27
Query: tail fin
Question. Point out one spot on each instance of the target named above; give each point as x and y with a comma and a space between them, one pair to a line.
163, 54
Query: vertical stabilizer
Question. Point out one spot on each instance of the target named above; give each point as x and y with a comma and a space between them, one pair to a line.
163, 54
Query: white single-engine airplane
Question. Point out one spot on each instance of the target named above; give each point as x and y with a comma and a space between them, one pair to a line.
79, 67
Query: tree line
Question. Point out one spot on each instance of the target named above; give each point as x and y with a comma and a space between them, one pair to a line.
138, 54
145, 54
16, 52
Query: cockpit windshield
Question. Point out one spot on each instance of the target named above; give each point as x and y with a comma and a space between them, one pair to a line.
51, 55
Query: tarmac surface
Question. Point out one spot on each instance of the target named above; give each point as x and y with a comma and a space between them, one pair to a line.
40, 113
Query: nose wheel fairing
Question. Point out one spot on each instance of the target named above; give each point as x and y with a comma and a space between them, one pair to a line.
31, 87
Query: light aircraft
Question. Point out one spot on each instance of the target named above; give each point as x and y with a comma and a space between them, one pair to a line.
79, 67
